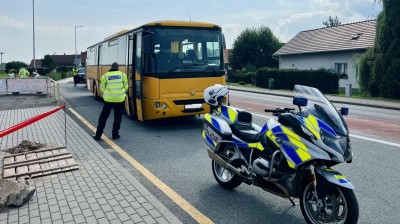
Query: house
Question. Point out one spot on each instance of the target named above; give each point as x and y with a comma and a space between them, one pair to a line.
331, 48
63, 60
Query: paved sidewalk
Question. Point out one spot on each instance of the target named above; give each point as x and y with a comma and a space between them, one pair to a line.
101, 191
388, 104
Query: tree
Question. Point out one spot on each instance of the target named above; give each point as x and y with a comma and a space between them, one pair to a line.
15, 65
48, 63
331, 22
254, 47
382, 65
386, 73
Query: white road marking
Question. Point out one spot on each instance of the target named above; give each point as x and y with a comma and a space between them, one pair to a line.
351, 135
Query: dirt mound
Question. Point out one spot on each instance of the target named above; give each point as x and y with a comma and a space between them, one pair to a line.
25, 146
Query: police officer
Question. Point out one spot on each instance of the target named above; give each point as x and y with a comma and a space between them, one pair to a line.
23, 73
114, 85
75, 74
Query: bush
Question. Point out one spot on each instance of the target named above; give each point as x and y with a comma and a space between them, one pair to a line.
324, 80
54, 75
15, 65
69, 74
242, 77
3, 73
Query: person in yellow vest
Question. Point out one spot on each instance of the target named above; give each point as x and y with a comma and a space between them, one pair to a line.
114, 85
23, 73
75, 74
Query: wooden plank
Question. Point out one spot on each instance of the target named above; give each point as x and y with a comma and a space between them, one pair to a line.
20, 158
35, 151
8, 172
39, 161
51, 169
8, 160
22, 169
39, 158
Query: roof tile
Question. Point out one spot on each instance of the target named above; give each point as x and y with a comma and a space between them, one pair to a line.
352, 36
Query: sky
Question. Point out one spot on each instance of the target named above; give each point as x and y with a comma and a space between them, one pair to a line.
55, 20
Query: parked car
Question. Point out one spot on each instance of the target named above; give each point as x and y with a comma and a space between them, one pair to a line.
82, 75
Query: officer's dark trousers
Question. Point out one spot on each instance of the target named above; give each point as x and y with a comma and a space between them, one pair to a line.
75, 79
118, 107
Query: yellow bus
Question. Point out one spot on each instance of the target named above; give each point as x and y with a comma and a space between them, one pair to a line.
168, 64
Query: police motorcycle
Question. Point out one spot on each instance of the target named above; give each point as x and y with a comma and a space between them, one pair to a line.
290, 156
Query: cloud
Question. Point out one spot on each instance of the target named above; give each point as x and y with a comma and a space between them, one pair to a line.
7, 22
301, 16
231, 31
327, 4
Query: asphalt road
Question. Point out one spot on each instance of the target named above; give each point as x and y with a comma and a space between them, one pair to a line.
174, 151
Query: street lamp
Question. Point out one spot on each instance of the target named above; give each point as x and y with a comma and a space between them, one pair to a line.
76, 52
1, 60
262, 52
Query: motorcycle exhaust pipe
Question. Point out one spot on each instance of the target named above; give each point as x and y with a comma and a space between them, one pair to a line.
224, 164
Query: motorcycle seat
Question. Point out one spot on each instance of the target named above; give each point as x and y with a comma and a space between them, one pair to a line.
243, 127
245, 132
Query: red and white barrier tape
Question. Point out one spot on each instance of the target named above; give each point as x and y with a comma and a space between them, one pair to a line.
29, 121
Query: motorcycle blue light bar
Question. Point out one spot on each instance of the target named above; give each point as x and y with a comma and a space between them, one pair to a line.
300, 101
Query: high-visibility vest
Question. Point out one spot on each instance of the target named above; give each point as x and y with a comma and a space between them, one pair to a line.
114, 85
75, 71
23, 73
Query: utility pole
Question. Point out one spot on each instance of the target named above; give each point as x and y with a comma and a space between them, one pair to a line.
1, 60
76, 52
33, 10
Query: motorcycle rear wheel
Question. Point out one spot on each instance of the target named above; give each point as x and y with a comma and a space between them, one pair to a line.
338, 206
224, 177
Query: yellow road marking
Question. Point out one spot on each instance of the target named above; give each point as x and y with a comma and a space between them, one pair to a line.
181, 202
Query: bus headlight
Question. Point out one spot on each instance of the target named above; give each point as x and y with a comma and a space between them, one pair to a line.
156, 104
164, 106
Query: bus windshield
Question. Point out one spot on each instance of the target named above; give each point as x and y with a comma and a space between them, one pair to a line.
187, 50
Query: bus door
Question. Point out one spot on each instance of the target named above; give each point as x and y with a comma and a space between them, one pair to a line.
130, 104
138, 77
96, 84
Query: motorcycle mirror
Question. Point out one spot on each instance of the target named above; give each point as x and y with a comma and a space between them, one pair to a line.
344, 111
300, 101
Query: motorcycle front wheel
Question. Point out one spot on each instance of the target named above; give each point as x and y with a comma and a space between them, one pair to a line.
224, 177
338, 206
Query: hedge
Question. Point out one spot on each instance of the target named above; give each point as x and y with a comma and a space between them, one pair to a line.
324, 80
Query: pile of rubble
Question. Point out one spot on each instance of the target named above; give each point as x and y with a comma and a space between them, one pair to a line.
25, 146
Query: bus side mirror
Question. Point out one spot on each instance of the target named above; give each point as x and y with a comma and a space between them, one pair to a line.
223, 41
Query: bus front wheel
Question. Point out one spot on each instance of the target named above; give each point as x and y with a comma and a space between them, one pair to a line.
95, 92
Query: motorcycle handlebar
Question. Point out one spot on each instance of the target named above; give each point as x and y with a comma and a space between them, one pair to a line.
279, 110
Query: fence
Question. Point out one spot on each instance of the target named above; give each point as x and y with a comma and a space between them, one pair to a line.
31, 85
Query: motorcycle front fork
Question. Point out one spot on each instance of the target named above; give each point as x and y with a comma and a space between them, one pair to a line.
313, 179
